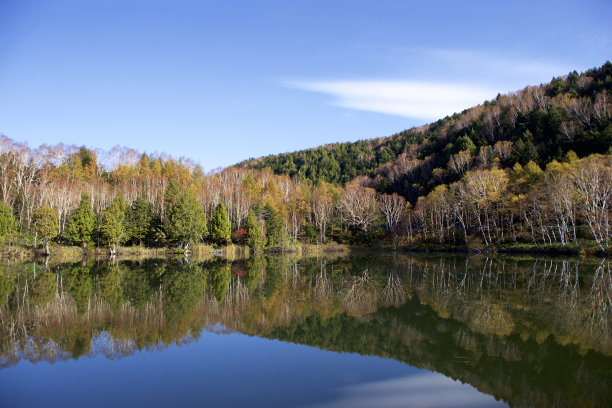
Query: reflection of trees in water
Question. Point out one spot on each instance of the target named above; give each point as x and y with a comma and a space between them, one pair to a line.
493, 296
232, 309
394, 292
322, 285
70, 321
220, 276
601, 292
359, 293
497, 323
160, 303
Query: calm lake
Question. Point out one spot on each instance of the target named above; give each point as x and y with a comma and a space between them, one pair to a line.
364, 330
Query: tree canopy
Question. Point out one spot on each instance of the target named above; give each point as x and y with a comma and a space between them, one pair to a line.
139, 220
47, 223
112, 227
82, 222
220, 226
255, 236
7, 221
186, 221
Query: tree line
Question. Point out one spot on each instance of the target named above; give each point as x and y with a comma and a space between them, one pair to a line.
157, 202
533, 166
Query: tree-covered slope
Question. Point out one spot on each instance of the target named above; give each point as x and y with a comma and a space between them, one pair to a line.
338, 163
537, 123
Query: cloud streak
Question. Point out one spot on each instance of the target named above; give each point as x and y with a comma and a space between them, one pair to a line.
419, 100
470, 78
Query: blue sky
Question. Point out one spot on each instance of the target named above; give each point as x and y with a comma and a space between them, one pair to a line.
222, 81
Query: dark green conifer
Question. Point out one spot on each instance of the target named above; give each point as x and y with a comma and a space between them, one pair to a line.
186, 221
112, 227
82, 222
139, 220
255, 237
220, 226
274, 227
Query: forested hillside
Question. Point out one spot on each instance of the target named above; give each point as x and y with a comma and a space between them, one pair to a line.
537, 123
534, 167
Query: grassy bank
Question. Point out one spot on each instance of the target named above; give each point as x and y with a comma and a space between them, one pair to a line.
67, 253
71, 253
301, 249
582, 249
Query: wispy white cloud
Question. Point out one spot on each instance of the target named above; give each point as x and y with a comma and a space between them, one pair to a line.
420, 100
422, 390
469, 77
493, 64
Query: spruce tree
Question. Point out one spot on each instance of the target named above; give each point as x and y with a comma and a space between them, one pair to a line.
82, 222
220, 226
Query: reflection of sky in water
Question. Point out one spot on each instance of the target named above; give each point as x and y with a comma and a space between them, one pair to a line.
418, 390
232, 370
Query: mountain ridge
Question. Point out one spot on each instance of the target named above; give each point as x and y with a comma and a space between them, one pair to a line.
542, 123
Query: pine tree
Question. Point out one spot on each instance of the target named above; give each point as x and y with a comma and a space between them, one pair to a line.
220, 226
46, 224
82, 222
254, 236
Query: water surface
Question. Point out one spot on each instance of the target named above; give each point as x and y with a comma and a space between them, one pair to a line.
386, 330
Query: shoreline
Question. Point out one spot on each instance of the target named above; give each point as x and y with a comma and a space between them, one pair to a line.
580, 251
65, 253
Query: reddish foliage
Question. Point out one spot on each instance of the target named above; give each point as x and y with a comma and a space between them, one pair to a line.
239, 236
239, 271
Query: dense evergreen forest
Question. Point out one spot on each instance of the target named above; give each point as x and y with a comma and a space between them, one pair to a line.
532, 167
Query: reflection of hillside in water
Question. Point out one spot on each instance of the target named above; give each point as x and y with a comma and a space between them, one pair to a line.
528, 331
